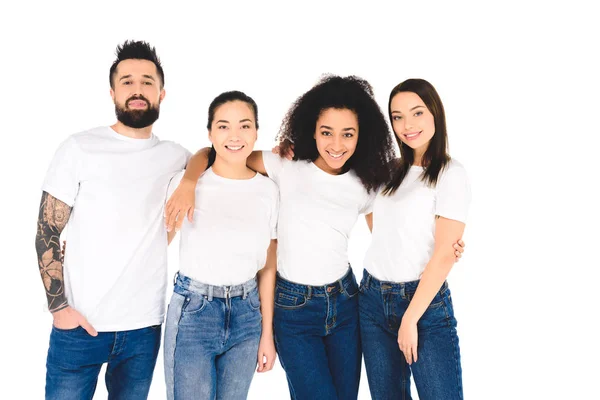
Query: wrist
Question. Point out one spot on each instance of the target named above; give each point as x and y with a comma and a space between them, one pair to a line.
410, 318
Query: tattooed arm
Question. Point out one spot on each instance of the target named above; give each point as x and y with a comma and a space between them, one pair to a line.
53, 216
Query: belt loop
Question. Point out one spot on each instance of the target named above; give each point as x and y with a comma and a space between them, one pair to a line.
244, 291
309, 291
368, 280
210, 292
175, 278
342, 288
403, 290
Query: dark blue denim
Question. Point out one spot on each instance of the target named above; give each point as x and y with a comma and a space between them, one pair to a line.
75, 359
317, 336
437, 373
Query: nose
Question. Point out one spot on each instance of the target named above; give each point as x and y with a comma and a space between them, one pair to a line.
337, 142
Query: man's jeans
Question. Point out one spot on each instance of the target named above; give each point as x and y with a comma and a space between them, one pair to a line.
317, 336
437, 373
212, 335
75, 358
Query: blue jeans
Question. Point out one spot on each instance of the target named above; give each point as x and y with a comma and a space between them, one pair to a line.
437, 373
212, 335
317, 336
75, 358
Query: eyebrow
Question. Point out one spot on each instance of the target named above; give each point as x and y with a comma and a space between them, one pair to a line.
414, 108
129, 76
223, 121
245, 120
330, 128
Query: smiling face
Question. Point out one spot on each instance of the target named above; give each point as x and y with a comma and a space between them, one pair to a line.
137, 93
233, 131
336, 136
412, 121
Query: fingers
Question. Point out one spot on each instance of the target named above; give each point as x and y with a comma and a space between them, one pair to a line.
179, 221
276, 150
171, 220
266, 362
409, 351
89, 328
190, 214
261, 363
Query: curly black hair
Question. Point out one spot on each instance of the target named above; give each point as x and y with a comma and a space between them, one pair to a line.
137, 51
374, 152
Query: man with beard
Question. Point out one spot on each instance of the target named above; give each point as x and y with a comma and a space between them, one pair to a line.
109, 184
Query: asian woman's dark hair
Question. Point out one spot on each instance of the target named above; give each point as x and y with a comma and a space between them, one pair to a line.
436, 157
221, 99
374, 150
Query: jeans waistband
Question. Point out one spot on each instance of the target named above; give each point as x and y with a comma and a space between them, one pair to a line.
394, 287
214, 291
338, 286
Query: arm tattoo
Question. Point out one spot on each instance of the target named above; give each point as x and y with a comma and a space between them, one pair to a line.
52, 219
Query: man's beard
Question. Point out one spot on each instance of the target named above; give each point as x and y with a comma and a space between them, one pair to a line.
137, 119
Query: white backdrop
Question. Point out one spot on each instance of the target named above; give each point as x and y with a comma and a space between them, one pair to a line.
520, 87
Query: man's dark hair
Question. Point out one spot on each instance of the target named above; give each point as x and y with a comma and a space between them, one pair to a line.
139, 50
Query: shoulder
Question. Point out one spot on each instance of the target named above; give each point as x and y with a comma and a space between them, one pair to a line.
267, 184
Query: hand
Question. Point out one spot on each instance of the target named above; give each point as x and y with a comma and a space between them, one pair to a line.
459, 248
69, 318
266, 353
284, 149
182, 202
408, 338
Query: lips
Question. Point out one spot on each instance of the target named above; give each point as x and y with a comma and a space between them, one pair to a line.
137, 104
234, 148
335, 156
412, 135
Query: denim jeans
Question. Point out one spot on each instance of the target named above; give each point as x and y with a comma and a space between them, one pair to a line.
437, 373
75, 359
212, 335
317, 336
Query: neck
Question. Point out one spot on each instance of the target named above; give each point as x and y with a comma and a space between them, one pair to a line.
418, 154
142, 133
319, 162
230, 170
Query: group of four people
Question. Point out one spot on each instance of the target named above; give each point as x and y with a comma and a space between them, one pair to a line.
263, 262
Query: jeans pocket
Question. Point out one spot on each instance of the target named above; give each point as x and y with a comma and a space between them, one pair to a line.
70, 330
254, 299
351, 289
194, 303
289, 300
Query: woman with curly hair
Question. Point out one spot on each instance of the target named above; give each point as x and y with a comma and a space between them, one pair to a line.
406, 313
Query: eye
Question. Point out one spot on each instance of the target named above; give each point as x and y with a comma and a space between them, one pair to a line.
221, 126
246, 126
396, 117
148, 83
126, 82
325, 133
418, 113
348, 135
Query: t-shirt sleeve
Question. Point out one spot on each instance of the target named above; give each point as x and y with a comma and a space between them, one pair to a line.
62, 177
173, 184
273, 165
274, 214
367, 207
453, 194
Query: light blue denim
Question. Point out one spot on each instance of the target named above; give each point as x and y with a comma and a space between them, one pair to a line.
211, 342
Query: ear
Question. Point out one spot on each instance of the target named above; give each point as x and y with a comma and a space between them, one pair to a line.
112, 94
209, 136
162, 95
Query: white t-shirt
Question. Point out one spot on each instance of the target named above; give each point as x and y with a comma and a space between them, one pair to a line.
316, 215
116, 263
404, 223
234, 222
